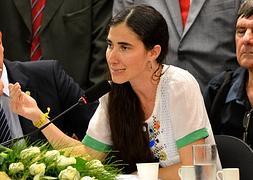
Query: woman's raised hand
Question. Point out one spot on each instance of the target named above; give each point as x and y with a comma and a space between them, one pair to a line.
23, 104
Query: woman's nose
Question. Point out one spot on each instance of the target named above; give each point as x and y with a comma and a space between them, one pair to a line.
112, 55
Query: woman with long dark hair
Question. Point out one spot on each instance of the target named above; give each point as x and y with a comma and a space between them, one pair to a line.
155, 112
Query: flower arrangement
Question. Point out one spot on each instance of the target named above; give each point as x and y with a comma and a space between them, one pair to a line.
40, 161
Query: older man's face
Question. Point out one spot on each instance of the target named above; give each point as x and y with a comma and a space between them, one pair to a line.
244, 42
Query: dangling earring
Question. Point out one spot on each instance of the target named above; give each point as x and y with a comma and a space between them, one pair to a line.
150, 65
156, 75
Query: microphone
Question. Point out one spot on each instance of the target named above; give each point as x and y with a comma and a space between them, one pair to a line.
95, 92
92, 94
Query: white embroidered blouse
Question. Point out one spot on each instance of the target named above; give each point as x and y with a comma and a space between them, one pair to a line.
178, 119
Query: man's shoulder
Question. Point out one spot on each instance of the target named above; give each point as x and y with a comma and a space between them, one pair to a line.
30, 63
44, 65
39, 70
227, 75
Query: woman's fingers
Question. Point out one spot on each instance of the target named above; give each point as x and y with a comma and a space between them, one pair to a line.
15, 96
15, 91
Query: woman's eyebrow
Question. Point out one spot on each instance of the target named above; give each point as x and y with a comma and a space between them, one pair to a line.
124, 43
120, 42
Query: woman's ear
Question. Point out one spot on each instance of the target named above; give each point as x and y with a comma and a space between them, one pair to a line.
155, 52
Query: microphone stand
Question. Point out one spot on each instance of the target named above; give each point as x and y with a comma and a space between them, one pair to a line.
81, 101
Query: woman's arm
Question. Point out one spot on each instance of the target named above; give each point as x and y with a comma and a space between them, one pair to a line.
73, 147
185, 153
26, 106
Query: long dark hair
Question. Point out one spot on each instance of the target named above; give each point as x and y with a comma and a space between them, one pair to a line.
126, 115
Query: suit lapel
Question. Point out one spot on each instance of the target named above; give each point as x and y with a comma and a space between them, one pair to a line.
15, 75
49, 11
195, 8
175, 13
24, 9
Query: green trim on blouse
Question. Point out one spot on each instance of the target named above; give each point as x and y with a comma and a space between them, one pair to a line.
190, 138
95, 144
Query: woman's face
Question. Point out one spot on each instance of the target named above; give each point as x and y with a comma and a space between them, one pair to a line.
126, 55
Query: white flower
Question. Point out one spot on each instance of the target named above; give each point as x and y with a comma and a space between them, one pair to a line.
69, 174
52, 155
16, 167
29, 152
37, 169
88, 178
65, 161
95, 164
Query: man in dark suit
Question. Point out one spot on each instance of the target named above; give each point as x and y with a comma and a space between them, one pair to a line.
51, 87
73, 32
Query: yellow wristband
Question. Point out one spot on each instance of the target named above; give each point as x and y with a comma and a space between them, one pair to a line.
43, 119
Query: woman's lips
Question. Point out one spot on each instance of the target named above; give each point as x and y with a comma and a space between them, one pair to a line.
118, 70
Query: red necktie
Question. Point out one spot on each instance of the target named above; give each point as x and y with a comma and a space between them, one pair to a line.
37, 14
184, 7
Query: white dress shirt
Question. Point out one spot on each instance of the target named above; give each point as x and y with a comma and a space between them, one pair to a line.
13, 120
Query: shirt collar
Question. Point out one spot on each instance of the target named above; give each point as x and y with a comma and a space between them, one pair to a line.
5, 80
237, 90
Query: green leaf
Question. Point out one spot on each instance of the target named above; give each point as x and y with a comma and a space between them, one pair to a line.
4, 149
80, 163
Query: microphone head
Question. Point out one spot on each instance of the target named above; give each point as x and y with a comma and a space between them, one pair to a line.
98, 90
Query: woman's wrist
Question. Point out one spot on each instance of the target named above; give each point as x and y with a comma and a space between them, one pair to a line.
42, 120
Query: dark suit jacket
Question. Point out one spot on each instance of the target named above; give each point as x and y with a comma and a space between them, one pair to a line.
72, 31
51, 87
